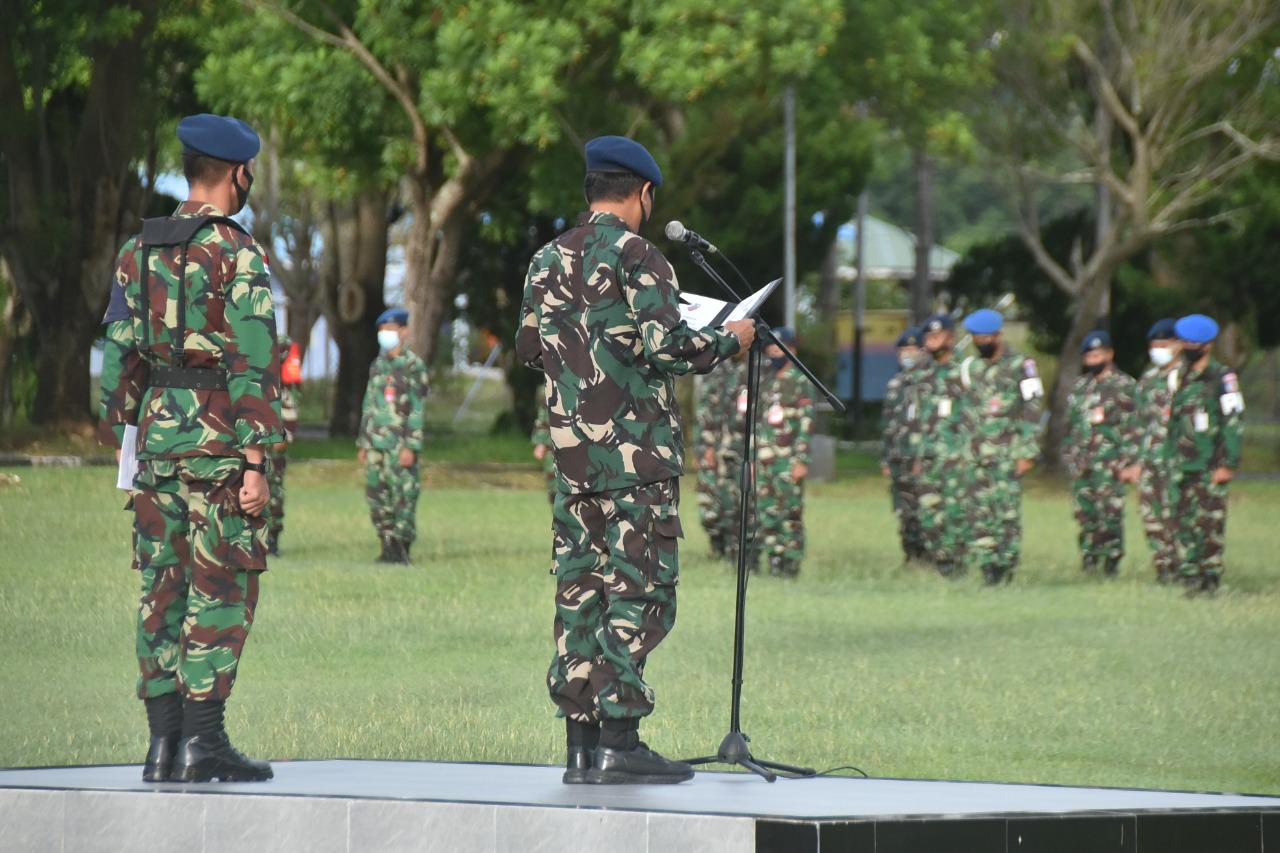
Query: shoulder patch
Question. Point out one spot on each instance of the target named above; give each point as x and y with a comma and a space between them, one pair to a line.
1230, 383
1029, 368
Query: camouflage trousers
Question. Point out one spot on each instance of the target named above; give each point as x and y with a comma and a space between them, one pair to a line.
780, 510
616, 565
279, 460
392, 493
995, 516
1157, 521
199, 558
729, 494
904, 492
1199, 509
709, 507
1098, 500
943, 492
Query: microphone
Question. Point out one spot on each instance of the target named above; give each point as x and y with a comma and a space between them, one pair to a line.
676, 231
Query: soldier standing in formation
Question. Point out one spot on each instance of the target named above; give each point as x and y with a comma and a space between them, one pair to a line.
1008, 396
1203, 449
278, 453
786, 418
1100, 449
191, 361
940, 436
897, 452
601, 317
390, 441
719, 453
1154, 398
541, 439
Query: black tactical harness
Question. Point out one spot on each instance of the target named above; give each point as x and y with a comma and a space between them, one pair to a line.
166, 232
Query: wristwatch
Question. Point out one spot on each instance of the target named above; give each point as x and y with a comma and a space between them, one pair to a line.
259, 467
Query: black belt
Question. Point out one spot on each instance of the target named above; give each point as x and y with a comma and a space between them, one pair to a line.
195, 378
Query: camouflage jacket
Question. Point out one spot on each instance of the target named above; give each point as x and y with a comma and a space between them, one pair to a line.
601, 318
785, 416
943, 426
1008, 401
230, 325
1206, 428
289, 410
898, 414
1102, 430
395, 400
1154, 398
719, 421
541, 428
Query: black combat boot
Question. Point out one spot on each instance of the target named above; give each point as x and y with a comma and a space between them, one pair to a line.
386, 548
396, 552
205, 752
1112, 568
1209, 584
273, 544
1090, 564
164, 719
404, 546
717, 545
622, 759
582, 740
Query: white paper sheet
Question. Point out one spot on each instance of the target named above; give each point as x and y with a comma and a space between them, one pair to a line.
703, 311
128, 458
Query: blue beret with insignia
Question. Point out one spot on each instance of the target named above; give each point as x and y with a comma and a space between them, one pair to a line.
223, 137
910, 338
1196, 329
619, 154
984, 321
1095, 340
938, 323
399, 316
1162, 330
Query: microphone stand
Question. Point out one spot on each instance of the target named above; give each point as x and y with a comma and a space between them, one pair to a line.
733, 748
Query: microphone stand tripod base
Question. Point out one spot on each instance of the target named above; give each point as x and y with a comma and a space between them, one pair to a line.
734, 750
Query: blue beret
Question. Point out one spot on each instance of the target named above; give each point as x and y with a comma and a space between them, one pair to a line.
399, 316
619, 154
938, 323
784, 334
910, 338
1196, 329
984, 321
1095, 340
1162, 330
219, 136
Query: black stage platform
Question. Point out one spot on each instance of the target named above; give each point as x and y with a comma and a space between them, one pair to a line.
349, 805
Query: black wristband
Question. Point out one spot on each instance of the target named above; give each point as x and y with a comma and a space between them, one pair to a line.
259, 467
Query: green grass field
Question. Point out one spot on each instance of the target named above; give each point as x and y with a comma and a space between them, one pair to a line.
1057, 679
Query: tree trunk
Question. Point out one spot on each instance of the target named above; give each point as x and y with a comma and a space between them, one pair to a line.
922, 284
353, 275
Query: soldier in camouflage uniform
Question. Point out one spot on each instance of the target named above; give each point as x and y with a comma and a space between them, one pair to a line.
1100, 450
782, 457
897, 459
600, 316
1007, 397
541, 439
940, 439
1155, 395
390, 439
190, 360
715, 449
278, 454
1205, 437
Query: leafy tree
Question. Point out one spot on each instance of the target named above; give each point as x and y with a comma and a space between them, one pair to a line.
1158, 103
85, 87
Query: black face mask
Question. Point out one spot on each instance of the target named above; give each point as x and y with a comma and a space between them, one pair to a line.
242, 195
1094, 369
1191, 356
778, 361
986, 350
